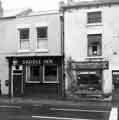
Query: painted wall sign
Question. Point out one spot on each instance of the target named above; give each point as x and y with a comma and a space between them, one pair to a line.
31, 61
45, 61
48, 61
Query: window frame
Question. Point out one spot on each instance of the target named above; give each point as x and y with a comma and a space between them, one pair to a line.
94, 21
20, 40
41, 38
100, 45
44, 81
26, 77
115, 81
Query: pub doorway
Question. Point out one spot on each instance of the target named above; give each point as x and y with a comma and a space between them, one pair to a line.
17, 79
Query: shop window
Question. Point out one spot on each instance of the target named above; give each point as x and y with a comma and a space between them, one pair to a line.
33, 74
115, 77
42, 37
94, 17
24, 38
50, 73
94, 44
90, 80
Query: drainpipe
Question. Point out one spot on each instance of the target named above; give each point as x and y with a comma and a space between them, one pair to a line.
62, 47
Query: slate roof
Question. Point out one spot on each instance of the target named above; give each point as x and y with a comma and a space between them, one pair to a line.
16, 12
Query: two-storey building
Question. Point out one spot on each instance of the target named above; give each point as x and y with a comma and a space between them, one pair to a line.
31, 54
91, 42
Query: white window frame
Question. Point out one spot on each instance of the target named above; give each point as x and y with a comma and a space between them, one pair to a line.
101, 47
95, 20
20, 49
26, 77
44, 81
23, 26
96, 23
38, 25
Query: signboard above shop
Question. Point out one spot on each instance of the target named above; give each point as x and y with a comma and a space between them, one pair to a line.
90, 65
39, 61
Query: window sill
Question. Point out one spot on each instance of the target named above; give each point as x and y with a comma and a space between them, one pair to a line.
95, 57
51, 82
41, 50
32, 82
94, 24
25, 50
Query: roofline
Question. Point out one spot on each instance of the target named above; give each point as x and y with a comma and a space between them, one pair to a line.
87, 4
10, 17
41, 13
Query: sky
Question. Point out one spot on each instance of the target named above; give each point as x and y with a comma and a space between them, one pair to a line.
36, 5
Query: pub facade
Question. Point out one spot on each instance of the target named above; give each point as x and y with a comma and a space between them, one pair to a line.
91, 48
33, 54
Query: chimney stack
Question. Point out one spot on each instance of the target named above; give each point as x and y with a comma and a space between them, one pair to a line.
69, 2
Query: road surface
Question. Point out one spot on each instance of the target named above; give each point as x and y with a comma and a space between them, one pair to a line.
48, 112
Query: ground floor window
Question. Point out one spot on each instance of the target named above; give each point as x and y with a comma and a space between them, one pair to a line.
33, 73
90, 80
50, 73
115, 79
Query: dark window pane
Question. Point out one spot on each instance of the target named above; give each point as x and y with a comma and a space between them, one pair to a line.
94, 17
115, 77
24, 33
94, 44
33, 73
50, 73
87, 79
42, 32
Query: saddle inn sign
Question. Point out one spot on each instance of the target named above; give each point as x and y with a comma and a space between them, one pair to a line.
46, 61
90, 65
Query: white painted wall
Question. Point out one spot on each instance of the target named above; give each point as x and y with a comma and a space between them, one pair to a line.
9, 40
76, 30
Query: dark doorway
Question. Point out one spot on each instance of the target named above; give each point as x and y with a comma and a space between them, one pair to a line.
115, 80
17, 83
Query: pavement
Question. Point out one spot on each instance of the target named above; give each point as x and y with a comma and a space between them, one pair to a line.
39, 101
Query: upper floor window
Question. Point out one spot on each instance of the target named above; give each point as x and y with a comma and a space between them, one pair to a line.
42, 37
94, 17
94, 44
24, 38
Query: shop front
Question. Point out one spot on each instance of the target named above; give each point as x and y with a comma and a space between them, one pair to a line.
89, 78
35, 76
